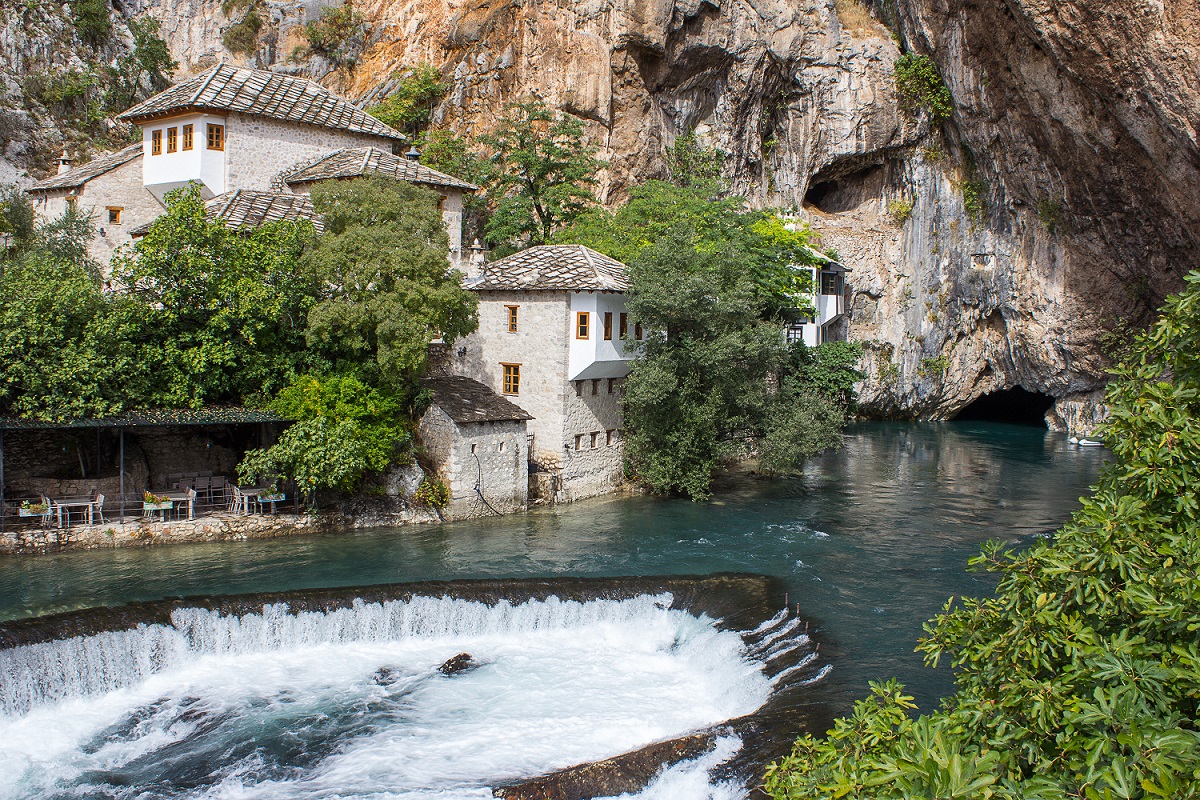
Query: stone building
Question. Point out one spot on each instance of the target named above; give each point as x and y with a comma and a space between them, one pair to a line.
552, 320
478, 445
233, 129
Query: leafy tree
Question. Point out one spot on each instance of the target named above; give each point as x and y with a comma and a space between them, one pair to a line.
715, 378
410, 106
242, 36
1080, 676
387, 288
223, 313
55, 361
16, 214
344, 429
541, 176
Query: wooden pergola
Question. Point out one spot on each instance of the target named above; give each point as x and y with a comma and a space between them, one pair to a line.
201, 417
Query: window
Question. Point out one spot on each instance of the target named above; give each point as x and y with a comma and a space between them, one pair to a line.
114, 215
472, 449
610, 437
579, 388
216, 137
156, 143
172, 139
512, 318
595, 439
442, 203
595, 386
637, 331
624, 325
795, 333
831, 283
608, 326
579, 441
187, 136
612, 383
583, 325
500, 446
512, 378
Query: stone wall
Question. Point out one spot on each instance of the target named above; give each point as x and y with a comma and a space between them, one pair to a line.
121, 187
591, 461
492, 456
259, 149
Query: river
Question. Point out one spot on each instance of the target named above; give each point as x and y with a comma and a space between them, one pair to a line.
869, 542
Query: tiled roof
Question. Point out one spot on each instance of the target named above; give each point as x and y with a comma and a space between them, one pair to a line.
355, 161
559, 267
466, 401
247, 208
92, 169
261, 92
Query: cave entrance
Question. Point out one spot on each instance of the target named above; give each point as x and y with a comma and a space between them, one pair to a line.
846, 192
1016, 405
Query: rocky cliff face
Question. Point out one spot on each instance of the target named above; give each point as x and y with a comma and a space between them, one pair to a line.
1074, 135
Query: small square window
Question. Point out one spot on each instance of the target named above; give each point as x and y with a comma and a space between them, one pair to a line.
583, 325
216, 137
595, 386
610, 437
595, 439
624, 325
172, 139
187, 136
512, 378
612, 384
579, 441
637, 331
500, 446
472, 448
579, 388
156, 143
114, 215
512, 318
608, 326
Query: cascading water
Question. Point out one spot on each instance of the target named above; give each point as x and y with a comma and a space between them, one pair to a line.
350, 702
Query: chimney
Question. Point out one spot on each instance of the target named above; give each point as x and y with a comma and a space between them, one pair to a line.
64, 162
477, 265
413, 154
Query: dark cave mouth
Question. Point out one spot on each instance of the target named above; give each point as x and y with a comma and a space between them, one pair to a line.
1016, 406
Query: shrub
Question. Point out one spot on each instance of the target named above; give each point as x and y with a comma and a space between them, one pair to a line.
410, 106
242, 37
973, 192
1080, 676
331, 35
921, 86
92, 22
1049, 210
900, 210
432, 493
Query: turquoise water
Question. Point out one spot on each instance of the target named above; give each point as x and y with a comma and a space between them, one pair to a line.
870, 541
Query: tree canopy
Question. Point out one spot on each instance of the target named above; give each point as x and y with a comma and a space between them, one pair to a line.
1080, 676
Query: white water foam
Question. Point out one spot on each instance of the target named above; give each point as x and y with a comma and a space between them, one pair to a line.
350, 703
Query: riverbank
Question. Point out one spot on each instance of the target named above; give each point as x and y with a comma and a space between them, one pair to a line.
215, 527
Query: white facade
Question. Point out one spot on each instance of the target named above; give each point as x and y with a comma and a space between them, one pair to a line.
602, 354
176, 151
828, 299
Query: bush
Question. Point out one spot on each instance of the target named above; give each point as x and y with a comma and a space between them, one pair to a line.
1080, 676
432, 493
900, 210
921, 86
410, 106
92, 22
1049, 211
242, 37
332, 34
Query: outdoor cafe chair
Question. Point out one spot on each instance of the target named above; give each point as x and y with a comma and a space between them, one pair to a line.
99, 507
203, 487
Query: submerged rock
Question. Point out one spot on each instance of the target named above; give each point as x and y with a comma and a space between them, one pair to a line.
463, 662
626, 773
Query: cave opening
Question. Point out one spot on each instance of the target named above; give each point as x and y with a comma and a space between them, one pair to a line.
1016, 405
847, 191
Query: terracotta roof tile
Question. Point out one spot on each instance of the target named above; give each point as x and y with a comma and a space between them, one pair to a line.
465, 401
264, 93
356, 161
92, 169
562, 267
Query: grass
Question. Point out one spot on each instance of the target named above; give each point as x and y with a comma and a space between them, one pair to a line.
855, 17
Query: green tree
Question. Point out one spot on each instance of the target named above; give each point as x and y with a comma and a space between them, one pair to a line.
223, 313
541, 176
143, 71
387, 287
336, 34
692, 164
410, 106
56, 361
1080, 676
921, 86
